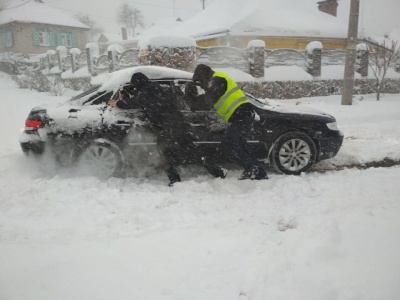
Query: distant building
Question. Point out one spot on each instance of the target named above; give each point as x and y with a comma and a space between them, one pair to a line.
32, 27
280, 24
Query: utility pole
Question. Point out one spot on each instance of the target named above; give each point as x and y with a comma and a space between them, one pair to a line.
351, 53
204, 3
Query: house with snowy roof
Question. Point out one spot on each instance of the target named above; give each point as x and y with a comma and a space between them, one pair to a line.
291, 24
32, 27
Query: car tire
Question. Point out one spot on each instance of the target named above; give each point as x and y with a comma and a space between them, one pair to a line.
293, 153
100, 159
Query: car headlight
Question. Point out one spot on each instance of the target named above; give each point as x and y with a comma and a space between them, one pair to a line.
332, 126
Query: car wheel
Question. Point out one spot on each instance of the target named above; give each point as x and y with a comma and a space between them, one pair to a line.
293, 153
100, 159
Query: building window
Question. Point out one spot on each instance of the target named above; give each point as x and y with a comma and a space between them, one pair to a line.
8, 40
44, 38
65, 40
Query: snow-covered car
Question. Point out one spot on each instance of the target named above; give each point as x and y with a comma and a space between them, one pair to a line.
110, 141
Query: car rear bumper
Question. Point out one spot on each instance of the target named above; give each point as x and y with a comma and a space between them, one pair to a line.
330, 145
31, 142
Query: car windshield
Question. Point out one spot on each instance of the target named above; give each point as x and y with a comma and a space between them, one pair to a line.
91, 97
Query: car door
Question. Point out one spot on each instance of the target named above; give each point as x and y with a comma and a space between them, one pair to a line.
206, 126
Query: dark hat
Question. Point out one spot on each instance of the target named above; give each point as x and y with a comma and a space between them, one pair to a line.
202, 73
138, 80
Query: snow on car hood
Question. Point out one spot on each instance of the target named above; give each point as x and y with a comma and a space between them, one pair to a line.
285, 108
112, 81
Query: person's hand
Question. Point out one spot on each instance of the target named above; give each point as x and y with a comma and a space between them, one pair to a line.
191, 89
112, 102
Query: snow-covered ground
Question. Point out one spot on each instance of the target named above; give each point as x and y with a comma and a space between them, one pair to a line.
330, 236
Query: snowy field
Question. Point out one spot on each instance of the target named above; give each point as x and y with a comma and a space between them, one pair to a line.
320, 236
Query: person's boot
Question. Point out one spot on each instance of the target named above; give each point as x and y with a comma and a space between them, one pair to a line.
260, 173
214, 169
218, 172
254, 173
174, 180
248, 173
173, 176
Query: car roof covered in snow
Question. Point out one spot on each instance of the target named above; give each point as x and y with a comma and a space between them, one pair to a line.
112, 81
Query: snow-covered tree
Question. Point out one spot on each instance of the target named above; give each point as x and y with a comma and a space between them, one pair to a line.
94, 30
130, 17
380, 59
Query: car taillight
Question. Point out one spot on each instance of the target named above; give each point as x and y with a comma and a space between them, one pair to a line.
32, 124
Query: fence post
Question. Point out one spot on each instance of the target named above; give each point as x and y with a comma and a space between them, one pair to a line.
314, 58
256, 58
75, 52
362, 60
92, 52
42, 62
113, 54
61, 55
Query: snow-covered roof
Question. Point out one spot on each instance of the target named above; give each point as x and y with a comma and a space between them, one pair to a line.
35, 12
264, 17
111, 37
162, 27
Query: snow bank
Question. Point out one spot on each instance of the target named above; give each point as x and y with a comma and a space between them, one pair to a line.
316, 236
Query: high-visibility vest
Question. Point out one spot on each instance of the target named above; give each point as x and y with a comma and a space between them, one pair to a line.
231, 100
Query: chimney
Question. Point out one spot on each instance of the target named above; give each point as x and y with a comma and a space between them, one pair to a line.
328, 6
124, 33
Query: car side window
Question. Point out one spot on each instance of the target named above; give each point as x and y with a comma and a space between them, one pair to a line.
179, 96
98, 98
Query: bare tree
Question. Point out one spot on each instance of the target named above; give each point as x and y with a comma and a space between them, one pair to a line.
88, 21
380, 59
130, 17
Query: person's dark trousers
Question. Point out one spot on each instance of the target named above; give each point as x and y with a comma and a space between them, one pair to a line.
235, 136
179, 149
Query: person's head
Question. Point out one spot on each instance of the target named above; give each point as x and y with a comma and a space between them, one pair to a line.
138, 80
202, 75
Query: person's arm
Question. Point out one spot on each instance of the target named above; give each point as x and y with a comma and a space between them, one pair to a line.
127, 103
216, 90
124, 101
192, 97
206, 101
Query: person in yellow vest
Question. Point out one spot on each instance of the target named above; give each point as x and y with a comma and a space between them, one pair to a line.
224, 96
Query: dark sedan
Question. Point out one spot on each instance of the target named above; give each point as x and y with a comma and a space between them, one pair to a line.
110, 142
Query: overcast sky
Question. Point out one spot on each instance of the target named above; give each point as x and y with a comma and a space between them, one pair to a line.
104, 11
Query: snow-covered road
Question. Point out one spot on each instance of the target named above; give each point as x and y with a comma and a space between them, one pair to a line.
318, 236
